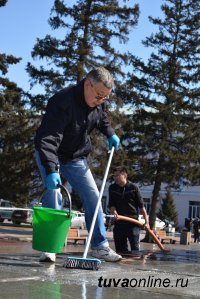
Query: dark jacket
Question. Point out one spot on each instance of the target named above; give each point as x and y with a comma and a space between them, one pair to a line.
127, 200
64, 132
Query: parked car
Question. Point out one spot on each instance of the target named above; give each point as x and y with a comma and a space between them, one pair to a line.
22, 216
158, 225
6, 210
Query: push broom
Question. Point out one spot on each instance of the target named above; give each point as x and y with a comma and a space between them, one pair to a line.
84, 262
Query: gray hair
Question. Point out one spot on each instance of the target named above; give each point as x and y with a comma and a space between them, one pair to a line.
100, 74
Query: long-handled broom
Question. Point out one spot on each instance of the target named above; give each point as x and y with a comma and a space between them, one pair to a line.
84, 262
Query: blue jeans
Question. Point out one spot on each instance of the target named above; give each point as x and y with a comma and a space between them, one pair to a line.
79, 176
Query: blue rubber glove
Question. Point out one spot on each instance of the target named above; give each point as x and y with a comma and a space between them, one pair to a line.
113, 141
52, 180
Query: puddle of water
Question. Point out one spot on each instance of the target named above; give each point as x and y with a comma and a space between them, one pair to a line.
56, 290
23, 277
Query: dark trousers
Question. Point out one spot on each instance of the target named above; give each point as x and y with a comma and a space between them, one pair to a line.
124, 232
196, 235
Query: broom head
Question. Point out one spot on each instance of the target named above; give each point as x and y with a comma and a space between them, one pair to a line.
82, 263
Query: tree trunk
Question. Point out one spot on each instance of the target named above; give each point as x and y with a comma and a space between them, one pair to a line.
153, 210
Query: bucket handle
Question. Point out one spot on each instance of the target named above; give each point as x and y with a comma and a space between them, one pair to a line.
64, 203
68, 196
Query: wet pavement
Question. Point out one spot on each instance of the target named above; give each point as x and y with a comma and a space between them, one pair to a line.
148, 274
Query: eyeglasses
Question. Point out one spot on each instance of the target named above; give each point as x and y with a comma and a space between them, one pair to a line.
98, 97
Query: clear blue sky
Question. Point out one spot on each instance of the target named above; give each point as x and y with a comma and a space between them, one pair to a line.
22, 21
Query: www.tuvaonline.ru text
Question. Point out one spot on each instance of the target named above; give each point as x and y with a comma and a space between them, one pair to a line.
149, 282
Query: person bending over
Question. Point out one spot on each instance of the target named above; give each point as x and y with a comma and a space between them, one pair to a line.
62, 144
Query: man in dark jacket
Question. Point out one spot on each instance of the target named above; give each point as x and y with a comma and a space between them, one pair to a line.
63, 143
125, 199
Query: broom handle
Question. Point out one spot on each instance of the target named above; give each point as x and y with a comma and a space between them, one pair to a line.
138, 223
98, 203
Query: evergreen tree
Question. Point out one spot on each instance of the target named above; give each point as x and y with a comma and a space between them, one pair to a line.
3, 2
168, 209
16, 148
163, 133
90, 31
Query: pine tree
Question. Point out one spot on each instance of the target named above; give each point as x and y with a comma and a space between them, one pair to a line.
90, 31
3, 2
168, 209
163, 133
16, 150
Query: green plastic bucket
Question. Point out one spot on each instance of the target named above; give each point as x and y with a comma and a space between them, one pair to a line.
50, 228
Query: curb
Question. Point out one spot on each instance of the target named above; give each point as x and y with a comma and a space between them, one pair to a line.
16, 238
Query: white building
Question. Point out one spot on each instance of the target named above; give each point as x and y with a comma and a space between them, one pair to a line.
187, 201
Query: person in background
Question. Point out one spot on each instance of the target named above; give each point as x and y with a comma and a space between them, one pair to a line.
196, 229
62, 144
198, 235
188, 224
125, 199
